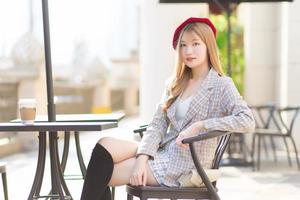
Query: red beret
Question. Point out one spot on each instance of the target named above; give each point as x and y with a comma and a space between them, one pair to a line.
192, 20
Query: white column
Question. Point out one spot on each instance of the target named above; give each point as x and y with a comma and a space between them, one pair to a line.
157, 58
292, 61
262, 53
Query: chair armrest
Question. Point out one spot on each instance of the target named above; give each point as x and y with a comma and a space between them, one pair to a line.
197, 164
141, 130
204, 136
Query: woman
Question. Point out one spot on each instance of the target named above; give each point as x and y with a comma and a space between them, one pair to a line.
198, 99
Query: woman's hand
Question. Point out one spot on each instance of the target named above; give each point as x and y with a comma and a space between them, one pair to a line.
139, 173
193, 130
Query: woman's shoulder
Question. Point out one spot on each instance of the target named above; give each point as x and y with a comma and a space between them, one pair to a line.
222, 80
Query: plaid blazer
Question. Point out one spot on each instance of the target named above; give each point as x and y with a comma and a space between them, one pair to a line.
218, 104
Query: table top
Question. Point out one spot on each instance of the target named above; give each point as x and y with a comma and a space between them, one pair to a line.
110, 117
58, 126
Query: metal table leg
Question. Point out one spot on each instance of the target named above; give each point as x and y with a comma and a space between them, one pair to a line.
79, 155
39, 173
59, 188
57, 181
65, 151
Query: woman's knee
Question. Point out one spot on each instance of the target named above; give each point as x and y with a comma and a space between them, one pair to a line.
105, 141
112, 145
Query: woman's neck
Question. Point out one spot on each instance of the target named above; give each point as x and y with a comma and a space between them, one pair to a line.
200, 73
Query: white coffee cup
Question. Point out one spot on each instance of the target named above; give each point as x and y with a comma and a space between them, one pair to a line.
27, 109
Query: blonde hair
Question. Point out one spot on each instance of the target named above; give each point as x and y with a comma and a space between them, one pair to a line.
182, 72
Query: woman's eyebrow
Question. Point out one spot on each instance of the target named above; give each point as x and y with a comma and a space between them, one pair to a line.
192, 40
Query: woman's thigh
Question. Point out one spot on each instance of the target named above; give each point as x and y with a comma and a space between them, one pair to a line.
120, 150
123, 170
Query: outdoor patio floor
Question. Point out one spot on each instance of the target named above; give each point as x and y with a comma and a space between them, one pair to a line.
275, 181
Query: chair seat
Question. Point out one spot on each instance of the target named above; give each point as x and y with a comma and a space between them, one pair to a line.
168, 192
2, 167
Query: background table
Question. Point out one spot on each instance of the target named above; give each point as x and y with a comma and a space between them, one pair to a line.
59, 189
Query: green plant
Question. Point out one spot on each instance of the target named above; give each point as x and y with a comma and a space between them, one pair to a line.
237, 47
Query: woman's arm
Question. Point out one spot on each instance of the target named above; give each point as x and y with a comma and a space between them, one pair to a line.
238, 117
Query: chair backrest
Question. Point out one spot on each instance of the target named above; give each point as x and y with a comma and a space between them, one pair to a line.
222, 145
286, 119
263, 115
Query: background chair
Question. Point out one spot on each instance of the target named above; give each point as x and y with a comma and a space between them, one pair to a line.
209, 191
4, 181
263, 116
283, 120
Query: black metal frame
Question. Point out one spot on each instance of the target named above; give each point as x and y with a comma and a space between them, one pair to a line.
4, 181
65, 155
210, 191
282, 129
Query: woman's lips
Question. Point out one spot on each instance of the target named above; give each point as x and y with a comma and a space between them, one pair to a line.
190, 59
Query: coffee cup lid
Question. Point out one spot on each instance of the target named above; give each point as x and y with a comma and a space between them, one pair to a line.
27, 102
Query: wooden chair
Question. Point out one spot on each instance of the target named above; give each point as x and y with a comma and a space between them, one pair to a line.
209, 191
283, 119
4, 181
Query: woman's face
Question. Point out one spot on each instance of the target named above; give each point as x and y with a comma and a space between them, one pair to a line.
193, 50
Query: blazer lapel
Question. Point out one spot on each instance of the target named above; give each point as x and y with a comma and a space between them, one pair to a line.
171, 115
200, 102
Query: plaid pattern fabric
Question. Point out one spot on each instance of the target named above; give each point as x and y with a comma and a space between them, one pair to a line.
218, 104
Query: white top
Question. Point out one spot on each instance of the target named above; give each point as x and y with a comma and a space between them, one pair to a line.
182, 108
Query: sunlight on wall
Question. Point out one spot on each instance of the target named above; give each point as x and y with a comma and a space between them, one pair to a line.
283, 70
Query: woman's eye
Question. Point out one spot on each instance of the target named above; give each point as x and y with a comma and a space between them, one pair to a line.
182, 45
196, 44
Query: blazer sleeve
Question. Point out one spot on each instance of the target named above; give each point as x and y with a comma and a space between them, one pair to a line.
238, 116
155, 130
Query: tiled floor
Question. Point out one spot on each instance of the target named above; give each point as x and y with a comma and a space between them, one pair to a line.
273, 182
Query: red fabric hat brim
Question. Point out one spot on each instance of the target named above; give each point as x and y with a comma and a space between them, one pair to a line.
192, 20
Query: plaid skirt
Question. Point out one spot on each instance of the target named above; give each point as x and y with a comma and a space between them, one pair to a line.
172, 161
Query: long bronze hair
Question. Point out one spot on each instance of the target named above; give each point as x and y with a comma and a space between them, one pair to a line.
182, 72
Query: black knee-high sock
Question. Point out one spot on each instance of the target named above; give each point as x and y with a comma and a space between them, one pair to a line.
98, 174
107, 194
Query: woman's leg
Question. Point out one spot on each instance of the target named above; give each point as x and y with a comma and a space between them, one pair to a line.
107, 153
123, 153
123, 170
120, 150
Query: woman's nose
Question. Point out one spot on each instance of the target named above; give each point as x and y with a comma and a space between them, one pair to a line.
188, 50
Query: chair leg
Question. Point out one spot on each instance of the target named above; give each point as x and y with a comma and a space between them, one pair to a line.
253, 151
287, 151
265, 147
129, 197
258, 153
296, 152
273, 148
4, 181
